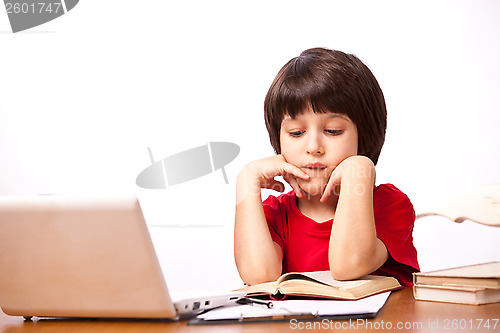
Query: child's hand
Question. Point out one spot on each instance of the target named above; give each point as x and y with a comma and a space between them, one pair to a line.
264, 170
355, 173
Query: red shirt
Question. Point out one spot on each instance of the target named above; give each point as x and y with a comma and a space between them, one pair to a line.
305, 242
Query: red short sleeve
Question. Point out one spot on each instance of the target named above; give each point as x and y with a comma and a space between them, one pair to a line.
274, 211
394, 219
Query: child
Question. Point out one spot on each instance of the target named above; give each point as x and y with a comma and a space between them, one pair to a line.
326, 118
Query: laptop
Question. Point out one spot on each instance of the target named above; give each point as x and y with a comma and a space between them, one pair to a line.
63, 256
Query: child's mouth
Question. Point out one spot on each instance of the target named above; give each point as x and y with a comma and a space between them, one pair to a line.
315, 166
315, 169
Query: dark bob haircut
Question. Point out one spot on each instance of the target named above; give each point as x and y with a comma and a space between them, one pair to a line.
329, 81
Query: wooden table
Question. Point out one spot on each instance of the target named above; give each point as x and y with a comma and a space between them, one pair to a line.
400, 313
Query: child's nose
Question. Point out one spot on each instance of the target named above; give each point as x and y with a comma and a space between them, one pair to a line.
315, 145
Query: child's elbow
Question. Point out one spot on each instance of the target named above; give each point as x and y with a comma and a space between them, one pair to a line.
343, 275
349, 269
258, 275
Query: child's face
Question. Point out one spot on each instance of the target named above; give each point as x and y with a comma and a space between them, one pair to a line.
317, 143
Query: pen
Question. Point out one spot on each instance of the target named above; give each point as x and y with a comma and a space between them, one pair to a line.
249, 301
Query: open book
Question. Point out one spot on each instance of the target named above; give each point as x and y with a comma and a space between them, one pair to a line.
321, 284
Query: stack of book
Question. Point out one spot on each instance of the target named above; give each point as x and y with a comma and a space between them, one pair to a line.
473, 284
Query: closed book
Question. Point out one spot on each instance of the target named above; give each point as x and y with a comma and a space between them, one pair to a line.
454, 294
482, 275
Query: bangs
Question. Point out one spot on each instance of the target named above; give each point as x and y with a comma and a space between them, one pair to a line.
300, 90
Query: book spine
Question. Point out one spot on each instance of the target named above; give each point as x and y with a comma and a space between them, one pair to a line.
414, 279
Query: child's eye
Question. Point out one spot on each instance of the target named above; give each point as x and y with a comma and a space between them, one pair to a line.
296, 134
333, 132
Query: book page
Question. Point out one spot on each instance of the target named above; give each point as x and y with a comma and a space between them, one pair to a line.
266, 287
324, 277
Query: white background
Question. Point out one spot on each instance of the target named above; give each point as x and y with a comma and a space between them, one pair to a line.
83, 96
